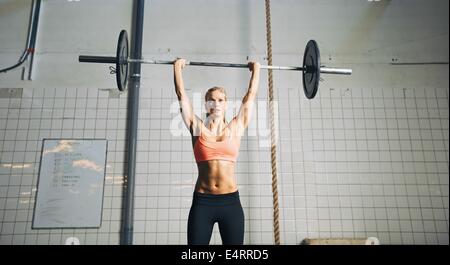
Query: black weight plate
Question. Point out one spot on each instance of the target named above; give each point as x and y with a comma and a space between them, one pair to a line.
311, 63
122, 61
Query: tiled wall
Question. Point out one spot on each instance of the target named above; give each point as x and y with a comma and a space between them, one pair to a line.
57, 113
351, 163
369, 156
367, 162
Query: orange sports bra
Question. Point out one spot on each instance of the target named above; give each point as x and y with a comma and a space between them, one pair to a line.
227, 149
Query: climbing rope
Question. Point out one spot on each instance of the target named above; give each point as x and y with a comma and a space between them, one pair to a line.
273, 147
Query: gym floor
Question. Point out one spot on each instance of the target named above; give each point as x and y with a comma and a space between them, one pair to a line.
367, 157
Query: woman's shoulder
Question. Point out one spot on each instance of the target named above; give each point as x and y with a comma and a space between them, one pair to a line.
233, 121
235, 127
197, 126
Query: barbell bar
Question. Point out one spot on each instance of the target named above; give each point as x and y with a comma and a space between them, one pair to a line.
311, 68
112, 60
323, 70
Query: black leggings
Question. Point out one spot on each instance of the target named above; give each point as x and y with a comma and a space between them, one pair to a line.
208, 209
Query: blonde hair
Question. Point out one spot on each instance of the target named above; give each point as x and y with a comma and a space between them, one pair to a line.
208, 96
212, 89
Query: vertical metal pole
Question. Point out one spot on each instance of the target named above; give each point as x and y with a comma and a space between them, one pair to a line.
33, 37
133, 111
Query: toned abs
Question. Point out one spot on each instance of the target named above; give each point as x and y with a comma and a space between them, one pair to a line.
216, 177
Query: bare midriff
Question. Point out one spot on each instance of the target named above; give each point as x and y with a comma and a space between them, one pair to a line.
216, 177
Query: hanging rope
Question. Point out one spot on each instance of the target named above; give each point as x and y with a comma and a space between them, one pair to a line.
273, 149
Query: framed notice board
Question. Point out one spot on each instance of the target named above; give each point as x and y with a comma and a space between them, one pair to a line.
71, 183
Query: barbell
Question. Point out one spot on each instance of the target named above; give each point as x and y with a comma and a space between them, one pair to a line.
311, 68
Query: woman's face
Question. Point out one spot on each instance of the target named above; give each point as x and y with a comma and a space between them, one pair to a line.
216, 105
